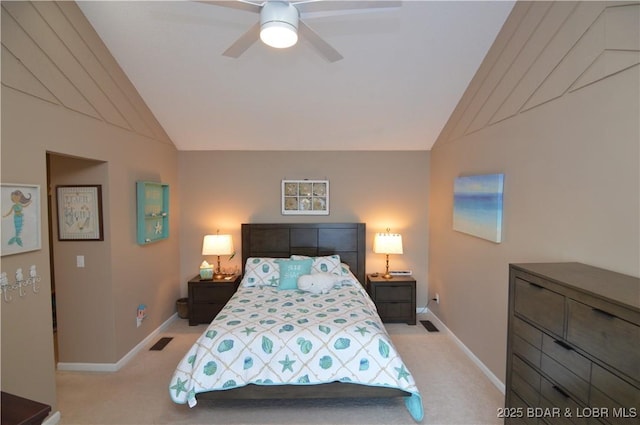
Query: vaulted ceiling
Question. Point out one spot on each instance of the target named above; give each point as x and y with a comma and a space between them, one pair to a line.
403, 72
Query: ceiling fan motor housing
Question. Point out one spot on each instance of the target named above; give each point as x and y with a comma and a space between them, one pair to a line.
279, 24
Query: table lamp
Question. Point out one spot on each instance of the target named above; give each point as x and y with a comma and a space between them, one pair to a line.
387, 243
217, 245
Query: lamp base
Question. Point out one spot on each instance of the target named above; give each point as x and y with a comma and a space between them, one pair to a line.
386, 274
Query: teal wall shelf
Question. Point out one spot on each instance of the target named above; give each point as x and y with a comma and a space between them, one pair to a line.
153, 211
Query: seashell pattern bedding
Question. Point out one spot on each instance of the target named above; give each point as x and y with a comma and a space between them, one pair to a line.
267, 336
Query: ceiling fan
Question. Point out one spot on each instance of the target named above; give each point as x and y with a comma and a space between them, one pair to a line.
281, 22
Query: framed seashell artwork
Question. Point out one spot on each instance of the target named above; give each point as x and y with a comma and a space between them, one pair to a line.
305, 197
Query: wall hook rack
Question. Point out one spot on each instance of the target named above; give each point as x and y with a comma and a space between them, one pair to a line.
20, 285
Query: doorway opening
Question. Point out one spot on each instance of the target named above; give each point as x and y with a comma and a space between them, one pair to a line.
68, 284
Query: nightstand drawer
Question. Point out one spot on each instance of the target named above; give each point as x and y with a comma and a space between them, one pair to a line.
393, 293
213, 294
394, 311
205, 313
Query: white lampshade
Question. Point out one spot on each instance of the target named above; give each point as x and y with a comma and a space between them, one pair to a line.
217, 245
387, 243
279, 24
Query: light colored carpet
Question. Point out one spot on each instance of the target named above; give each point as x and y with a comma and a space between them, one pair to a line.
454, 390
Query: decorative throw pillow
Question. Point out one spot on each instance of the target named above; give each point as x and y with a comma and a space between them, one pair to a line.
290, 270
261, 271
325, 264
318, 283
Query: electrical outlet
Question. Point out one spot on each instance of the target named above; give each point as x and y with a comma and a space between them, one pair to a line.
80, 261
437, 298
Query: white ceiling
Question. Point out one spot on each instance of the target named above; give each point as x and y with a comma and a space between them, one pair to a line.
404, 70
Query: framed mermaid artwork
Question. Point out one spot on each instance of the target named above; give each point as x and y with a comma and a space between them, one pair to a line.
79, 213
21, 229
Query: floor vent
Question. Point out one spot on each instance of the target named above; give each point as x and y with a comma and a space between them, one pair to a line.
162, 342
429, 326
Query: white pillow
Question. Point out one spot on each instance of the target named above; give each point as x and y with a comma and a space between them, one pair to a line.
325, 264
261, 271
318, 283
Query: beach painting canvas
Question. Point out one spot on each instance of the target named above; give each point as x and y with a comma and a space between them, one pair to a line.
477, 206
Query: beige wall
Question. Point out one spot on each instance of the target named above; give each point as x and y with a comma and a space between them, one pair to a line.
62, 92
559, 116
222, 190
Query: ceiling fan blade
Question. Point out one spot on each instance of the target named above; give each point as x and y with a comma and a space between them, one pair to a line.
244, 42
238, 4
316, 41
312, 6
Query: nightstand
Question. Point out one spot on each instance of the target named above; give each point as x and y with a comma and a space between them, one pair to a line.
395, 298
207, 297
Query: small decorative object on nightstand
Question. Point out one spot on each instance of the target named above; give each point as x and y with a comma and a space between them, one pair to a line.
206, 271
395, 298
207, 297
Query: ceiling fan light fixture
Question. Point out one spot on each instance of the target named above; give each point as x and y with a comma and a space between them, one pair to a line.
279, 24
278, 34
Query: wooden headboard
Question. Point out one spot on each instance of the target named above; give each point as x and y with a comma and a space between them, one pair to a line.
281, 240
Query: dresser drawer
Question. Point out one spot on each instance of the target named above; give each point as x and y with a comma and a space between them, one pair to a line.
606, 337
619, 391
554, 396
213, 294
393, 293
526, 351
539, 305
527, 332
567, 380
617, 414
525, 382
518, 413
567, 357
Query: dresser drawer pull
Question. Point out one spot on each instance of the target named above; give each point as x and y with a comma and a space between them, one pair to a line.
563, 345
560, 391
604, 313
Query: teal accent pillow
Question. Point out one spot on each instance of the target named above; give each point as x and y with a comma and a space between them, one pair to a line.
291, 270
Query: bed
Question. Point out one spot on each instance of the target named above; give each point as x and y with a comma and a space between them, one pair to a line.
273, 340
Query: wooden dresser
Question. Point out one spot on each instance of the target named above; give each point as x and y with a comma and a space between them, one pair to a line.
573, 347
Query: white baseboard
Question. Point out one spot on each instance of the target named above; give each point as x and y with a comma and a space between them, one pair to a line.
492, 377
114, 367
52, 419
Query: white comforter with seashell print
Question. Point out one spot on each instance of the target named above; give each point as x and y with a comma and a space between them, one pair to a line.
267, 336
